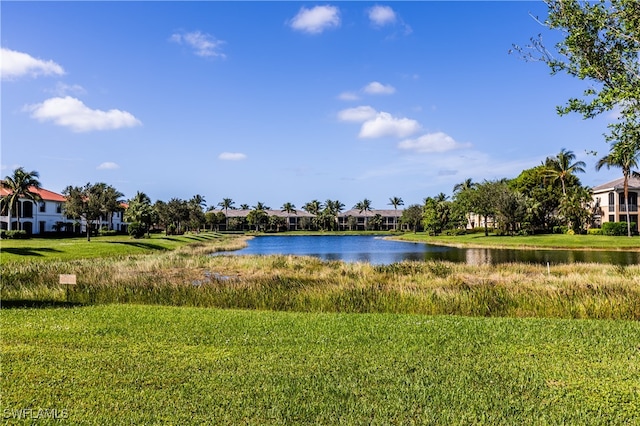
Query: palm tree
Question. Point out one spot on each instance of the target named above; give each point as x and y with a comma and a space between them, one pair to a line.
463, 186
140, 210
560, 167
625, 155
289, 208
364, 206
395, 202
22, 184
312, 207
198, 200
244, 206
109, 202
226, 204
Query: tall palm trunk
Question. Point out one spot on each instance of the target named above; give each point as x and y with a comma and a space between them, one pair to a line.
626, 202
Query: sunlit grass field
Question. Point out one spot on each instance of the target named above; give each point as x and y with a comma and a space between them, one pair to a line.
546, 241
124, 364
39, 249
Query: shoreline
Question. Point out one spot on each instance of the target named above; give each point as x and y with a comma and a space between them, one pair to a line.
511, 247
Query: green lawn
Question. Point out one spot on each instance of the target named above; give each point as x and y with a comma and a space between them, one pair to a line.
582, 242
36, 249
124, 364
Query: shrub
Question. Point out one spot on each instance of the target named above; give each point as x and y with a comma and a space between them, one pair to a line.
560, 229
14, 235
455, 232
616, 228
107, 232
171, 229
594, 231
136, 230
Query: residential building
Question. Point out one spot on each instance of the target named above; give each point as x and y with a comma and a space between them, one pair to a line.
47, 215
610, 204
356, 220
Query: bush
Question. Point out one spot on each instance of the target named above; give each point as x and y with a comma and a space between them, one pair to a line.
616, 228
136, 230
171, 229
455, 232
594, 231
107, 232
14, 235
560, 229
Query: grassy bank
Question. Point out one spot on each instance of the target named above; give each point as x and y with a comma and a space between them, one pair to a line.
151, 365
189, 276
56, 249
544, 241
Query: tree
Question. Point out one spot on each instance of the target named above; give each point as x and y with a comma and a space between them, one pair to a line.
575, 208
510, 207
461, 197
412, 216
88, 202
313, 207
624, 154
561, 167
483, 201
329, 216
226, 204
600, 44
364, 206
289, 208
395, 202
21, 184
436, 214
177, 214
109, 200
543, 196
244, 206
196, 206
140, 211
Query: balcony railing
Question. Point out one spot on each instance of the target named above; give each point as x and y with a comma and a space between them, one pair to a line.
632, 208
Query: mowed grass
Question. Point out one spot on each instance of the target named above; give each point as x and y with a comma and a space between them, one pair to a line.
54, 249
124, 364
546, 241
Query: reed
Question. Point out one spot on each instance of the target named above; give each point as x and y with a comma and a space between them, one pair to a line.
191, 276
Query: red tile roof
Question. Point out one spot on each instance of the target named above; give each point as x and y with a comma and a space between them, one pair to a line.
45, 194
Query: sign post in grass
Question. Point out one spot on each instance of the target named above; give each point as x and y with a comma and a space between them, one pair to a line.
68, 280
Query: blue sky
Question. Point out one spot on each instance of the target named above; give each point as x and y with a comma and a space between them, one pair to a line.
282, 101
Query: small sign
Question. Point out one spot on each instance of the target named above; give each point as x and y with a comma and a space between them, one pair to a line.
67, 278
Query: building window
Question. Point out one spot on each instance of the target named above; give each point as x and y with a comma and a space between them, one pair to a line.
612, 218
59, 208
612, 201
43, 206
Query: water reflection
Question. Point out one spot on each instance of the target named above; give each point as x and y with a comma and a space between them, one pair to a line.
376, 250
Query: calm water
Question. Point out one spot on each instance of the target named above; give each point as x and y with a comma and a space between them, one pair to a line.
376, 250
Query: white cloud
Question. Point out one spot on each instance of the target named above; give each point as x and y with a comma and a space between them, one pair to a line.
15, 64
71, 112
384, 124
432, 142
63, 89
376, 88
348, 96
382, 15
232, 156
108, 165
316, 20
204, 45
357, 114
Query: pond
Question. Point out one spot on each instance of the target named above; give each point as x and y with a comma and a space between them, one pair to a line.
379, 251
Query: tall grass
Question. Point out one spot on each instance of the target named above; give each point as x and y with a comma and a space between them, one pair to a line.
190, 276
